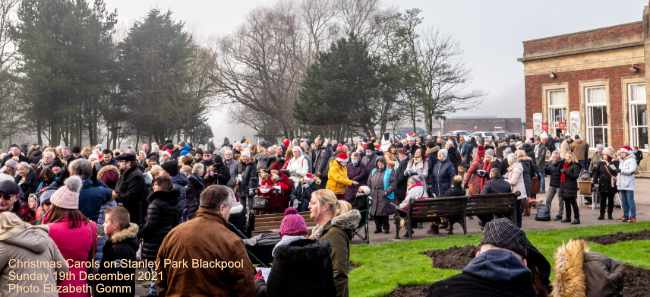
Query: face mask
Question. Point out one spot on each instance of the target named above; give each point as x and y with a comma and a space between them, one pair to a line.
355, 162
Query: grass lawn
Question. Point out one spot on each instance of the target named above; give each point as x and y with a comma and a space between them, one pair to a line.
385, 266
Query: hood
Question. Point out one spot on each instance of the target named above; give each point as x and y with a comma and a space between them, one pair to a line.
499, 266
569, 274
302, 251
286, 240
34, 239
124, 234
347, 221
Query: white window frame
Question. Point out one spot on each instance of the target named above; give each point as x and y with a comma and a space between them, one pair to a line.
552, 107
633, 103
590, 128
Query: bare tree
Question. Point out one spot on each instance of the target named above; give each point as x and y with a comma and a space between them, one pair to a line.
262, 64
318, 17
442, 78
357, 16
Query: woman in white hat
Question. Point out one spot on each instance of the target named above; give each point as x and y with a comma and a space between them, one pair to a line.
625, 182
74, 235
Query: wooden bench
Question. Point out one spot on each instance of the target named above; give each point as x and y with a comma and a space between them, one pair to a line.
499, 205
433, 210
457, 209
267, 223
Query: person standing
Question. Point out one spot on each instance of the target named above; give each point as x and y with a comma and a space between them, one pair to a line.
74, 235
515, 177
581, 151
337, 177
356, 172
122, 244
380, 182
625, 183
442, 175
320, 156
569, 173
604, 178
540, 160
553, 170
215, 241
130, 190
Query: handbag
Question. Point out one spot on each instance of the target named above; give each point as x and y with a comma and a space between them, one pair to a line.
260, 203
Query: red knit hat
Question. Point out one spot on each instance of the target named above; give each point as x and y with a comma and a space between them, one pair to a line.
342, 157
285, 142
293, 223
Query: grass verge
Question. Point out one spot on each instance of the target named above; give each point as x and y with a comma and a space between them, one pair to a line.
384, 267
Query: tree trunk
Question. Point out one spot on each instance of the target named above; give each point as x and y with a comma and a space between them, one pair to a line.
39, 132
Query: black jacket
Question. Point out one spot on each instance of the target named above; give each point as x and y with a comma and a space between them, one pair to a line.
569, 188
399, 184
603, 174
122, 245
553, 169
194, 188
320, 158
302, 268
491, 274
496, 186
455, 192
220, 175
132, 192
162, 215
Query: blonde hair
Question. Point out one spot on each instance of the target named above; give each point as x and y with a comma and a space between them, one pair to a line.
156, 170
327, 198
570, 155
342, 207
187, 170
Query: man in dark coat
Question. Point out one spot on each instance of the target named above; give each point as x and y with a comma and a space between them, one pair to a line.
497, 183
400, 178
320, 157
552, 168
506, 264
131, 189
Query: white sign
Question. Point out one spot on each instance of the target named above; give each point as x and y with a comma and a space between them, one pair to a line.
574, 123
537, 123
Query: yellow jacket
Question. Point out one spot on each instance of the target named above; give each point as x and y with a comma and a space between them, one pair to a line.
337, 178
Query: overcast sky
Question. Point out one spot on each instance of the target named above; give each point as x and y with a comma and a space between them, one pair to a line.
489, 32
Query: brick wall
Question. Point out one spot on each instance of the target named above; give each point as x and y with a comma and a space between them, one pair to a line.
601, 37
533, 85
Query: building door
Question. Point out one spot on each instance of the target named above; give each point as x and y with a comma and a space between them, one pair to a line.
638, 117
557, 112
596, 115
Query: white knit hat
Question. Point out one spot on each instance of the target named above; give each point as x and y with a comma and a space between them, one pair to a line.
67, 196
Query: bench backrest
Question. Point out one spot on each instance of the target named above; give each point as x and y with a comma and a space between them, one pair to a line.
271, 222
431, 208
499, 204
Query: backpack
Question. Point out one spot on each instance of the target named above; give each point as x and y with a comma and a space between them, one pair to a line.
543, 213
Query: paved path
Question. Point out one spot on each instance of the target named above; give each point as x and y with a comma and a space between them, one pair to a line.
588, 217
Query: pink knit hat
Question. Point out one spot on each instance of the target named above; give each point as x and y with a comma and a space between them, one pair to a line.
293, 223
67, 196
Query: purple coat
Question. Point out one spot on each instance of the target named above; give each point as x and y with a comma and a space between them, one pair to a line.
357, 173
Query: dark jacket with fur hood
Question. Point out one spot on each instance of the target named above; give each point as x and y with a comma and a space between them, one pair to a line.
122, 245
338, 232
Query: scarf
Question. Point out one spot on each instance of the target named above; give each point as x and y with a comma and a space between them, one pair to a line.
565, 166
416, 184
486, 166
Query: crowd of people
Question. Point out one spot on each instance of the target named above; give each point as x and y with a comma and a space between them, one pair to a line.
169, 203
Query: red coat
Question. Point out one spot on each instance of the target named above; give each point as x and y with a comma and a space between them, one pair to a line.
472, 181
277, 201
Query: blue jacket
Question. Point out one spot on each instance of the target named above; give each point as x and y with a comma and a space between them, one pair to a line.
91, 198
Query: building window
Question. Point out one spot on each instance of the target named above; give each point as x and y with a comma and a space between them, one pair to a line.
638, 117
596, 115
557, 111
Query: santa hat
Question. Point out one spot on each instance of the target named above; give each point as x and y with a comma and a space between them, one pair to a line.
625, 149
293, 223
308, 178
342, 157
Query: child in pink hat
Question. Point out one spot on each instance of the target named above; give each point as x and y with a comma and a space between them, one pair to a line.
292, 228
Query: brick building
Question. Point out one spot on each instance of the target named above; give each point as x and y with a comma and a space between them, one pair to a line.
591, 83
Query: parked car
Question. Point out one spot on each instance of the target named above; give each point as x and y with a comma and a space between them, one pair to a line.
483, 134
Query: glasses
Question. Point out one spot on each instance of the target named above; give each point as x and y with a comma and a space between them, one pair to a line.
5, 196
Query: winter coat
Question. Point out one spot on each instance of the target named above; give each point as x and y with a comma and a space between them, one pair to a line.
417, 168
192, 194
320, 157
248, 173
442, 175
580, 148
122, 245
540, 156
358, 173
569, 188
454, 156
339, 232
472, 180
29, 186
415, 192
214, 242
379, 190
515, 178
302, 267
400, 180
496, 186
492, 273
298, 167
131, 192
30, 245
553, 169
579, 273
604, 176
528, 172
625, 179
231, 166
455, 191
220, 174
337, 178
93, 195
77, 246
162, 215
